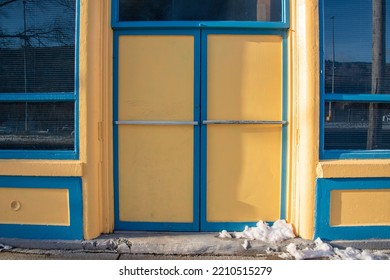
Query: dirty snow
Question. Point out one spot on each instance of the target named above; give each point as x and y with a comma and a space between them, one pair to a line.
281, 231
246, 245
324, 250
278, 232
4, 247
321, 250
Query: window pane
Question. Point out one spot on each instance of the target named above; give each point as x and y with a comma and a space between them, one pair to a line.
350, 49
357, 126
37, 46
37, 125
197, 10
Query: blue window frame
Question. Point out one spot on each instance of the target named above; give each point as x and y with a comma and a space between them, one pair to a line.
39, 79
200, 13
355, 80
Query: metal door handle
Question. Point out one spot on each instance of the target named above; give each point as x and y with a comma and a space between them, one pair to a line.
156, 122
242, 122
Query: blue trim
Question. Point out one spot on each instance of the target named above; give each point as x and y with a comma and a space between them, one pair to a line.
322, 213
38, 97
38, 154
52, 97
72, 232
203, 139
283, 24
355, 154
193, 226
285, 114
322, 79
77, 83
197, 129
349, 97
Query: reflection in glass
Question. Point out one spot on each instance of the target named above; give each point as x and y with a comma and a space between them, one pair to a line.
200, 10
43, 126
348, 47
37, 46
349, 126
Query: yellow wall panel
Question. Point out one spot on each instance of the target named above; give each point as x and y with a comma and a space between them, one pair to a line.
359, 207
34, 206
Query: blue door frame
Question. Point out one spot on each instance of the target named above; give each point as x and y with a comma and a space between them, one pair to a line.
200, 34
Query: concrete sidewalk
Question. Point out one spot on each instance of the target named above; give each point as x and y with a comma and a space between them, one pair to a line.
163, 245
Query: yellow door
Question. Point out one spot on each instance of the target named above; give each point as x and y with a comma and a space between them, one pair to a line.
244, 128
155, 132
199, 130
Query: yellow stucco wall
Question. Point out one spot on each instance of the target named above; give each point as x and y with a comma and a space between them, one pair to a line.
96, 116
304, 129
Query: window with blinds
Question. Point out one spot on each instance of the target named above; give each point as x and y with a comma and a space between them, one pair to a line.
356, 78
38, 91
200, 10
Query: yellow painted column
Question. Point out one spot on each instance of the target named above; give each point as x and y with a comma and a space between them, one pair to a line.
305, 112
96, 116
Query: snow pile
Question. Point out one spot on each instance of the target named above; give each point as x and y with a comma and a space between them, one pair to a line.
324, 250
355, 254
281, 231
321, 250
4, 247
278, 232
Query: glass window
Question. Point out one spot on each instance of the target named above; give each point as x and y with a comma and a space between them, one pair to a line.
348, 129
37, 75
356, 76
37, 125
200, 10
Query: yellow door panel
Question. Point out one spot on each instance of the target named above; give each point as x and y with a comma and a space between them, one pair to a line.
244, 77
156, 173
244, 82
155, 162
156, 78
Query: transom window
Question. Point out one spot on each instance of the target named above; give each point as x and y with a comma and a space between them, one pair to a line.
355, 111
200, 10
38, 88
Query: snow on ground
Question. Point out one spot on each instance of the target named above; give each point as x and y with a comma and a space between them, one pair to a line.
278, 232
4, 247
281, 231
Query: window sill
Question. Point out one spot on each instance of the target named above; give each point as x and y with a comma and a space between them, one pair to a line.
353, 168
62, 168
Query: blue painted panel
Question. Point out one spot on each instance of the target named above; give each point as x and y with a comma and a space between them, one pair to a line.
72, 232
322, 212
